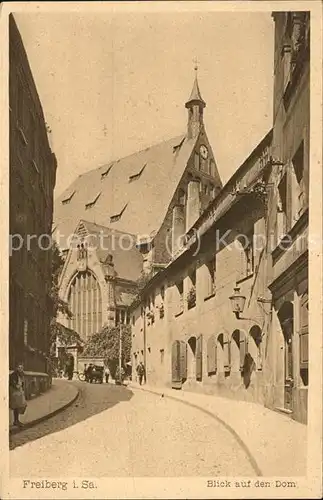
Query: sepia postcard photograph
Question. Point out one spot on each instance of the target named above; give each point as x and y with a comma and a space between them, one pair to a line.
161, 280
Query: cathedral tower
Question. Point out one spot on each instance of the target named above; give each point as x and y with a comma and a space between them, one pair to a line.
195, 106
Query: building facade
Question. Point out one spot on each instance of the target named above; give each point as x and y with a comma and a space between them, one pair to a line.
99, 278
184, 327
288, 273
32, 173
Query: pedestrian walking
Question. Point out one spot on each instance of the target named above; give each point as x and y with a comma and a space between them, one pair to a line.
141, 372
17, 400
106, 374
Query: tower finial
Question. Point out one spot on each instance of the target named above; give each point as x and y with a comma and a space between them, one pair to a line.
196, 65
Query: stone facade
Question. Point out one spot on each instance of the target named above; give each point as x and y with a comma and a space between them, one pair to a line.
32, 173
288, 272
98, 282
184, 329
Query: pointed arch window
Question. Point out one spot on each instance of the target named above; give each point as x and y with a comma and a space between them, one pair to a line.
85, 303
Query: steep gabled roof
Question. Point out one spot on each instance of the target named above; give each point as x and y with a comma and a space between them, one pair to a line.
138, 187
122, 246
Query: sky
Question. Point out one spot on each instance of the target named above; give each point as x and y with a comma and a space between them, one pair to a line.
112, 83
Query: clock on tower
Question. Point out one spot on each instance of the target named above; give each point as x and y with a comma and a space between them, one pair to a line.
204, 152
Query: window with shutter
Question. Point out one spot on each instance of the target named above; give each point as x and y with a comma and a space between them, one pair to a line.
183, 360
303, 333
176, 368
211, 355
199, 358
226, 354
243, 349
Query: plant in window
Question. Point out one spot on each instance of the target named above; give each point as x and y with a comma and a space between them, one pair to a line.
161, 310
191, 297
260, 190
150, 315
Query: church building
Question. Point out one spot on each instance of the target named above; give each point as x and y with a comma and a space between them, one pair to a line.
115, 222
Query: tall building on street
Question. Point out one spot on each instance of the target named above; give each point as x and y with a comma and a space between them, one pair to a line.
32, 179
184, 328
288, 214
229, 314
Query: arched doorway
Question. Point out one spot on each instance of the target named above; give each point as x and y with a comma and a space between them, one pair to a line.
286, 319
179, 363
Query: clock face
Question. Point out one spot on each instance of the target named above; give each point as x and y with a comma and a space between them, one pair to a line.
204, 152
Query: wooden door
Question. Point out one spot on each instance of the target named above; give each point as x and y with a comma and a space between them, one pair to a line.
176, 365
199, 356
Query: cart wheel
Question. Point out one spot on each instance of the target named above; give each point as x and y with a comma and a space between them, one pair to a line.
81, 377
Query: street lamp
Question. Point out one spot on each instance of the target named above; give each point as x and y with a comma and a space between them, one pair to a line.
237, 302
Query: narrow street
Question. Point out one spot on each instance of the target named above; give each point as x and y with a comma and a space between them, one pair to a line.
114, 431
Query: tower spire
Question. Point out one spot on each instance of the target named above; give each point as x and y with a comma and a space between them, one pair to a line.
195, 106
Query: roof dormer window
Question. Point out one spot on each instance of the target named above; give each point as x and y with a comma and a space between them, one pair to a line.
68, 198
178, 146
106, 172
92, 203
116, 217
136, 176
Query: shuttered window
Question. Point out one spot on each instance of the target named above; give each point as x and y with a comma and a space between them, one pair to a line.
176, 366
303, 333
199, 358
183, 360
211, 355
243, 349
226, 354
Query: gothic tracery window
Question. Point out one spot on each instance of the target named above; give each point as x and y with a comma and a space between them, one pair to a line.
85, 302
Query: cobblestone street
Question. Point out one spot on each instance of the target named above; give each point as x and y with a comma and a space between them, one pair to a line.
113, 431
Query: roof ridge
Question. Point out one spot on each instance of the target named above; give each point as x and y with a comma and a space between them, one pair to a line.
105, 227
111, 162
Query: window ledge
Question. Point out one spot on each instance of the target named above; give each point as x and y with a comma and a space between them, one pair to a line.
209, 296
246, 278
178, 314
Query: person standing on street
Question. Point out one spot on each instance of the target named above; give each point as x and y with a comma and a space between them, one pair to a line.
106, 374
141, 372
17, 400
